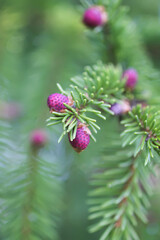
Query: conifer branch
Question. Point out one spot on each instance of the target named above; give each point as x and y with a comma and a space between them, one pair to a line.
30, 195
143, 127
92, 93
31, 192
120, 194
141, 131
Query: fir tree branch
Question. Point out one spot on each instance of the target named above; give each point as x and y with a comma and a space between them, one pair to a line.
93, 92
31, 192
120, 194
142, 127
141, 130
121, 190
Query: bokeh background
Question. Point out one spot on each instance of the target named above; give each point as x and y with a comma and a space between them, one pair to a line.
43, 42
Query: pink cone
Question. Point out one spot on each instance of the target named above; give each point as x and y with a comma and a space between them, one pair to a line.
95, 16
82, 138
55, 102
131, 76
38, 138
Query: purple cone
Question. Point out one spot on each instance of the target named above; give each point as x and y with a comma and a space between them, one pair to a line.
117, 108
38, 138
94, 16
10, 110
55, 102
121, 108
131, 76
81, 140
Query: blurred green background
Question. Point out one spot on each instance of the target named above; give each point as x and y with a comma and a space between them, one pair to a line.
43, 42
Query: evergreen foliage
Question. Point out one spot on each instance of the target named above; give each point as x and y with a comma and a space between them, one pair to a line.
98, 87
120, 195
31, 189
33, 180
